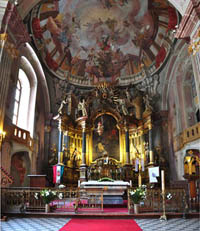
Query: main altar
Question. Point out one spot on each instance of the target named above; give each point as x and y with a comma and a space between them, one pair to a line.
112, 191
105, 132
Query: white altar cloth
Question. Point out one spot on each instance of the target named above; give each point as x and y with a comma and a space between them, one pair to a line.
109, 188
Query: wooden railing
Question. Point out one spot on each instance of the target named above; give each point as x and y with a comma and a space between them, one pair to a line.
187, 136
17, 200
153, 201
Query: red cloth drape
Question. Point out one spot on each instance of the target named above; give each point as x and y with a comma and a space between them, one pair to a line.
37, 30
54, 173
160, 56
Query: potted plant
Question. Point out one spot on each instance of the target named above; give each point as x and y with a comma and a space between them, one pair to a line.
137, 195
47, 195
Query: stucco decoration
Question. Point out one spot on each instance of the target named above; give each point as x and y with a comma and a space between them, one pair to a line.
92, 41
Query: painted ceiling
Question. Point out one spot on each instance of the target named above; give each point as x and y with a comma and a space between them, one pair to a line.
91, 41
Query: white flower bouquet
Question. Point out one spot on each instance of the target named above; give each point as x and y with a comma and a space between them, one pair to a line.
138, 194
47, 195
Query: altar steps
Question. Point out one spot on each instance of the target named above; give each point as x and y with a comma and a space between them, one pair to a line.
104, 215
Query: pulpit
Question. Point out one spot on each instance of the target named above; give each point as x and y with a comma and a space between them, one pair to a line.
38, 180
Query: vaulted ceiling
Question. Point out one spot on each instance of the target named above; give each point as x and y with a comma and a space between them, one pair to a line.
115, 41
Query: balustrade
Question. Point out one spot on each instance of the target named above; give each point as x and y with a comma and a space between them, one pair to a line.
187, 136
17, 200
175, 201
22, 136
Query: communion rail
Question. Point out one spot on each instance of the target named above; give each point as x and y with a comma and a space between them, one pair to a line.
175, 201
20, 200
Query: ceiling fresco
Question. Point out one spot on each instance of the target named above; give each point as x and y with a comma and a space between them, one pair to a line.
93, 41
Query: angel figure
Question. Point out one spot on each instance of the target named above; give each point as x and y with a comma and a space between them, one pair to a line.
147, 100
122, 103
82, 107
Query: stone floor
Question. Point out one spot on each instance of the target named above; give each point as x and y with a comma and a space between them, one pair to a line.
54, 224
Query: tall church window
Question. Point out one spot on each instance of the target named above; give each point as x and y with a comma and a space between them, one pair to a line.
16, 103
22, 96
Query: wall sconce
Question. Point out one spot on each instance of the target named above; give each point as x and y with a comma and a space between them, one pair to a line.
2, 136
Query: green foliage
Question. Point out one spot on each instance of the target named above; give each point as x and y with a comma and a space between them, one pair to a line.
138, 194
106, 179
48, 195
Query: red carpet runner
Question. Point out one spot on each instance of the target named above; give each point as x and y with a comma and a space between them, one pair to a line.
101, 225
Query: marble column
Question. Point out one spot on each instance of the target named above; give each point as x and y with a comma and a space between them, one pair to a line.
151, 146
83, 125
60, 143
127, 146
83, 167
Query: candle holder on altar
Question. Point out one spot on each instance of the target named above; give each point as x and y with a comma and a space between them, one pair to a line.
163, 217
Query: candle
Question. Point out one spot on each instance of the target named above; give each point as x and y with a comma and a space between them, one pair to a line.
131, 183
163, 180
151, 156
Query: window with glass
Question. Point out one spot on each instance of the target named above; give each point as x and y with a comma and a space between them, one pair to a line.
22, 96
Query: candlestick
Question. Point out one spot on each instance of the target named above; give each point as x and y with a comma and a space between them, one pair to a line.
163, 180
163, 217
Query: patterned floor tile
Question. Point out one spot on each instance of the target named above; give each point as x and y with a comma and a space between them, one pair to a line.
54, 224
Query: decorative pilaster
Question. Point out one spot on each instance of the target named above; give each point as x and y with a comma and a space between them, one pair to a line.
47, 130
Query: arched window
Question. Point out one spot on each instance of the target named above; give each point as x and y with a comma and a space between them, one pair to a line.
16, 103
22, 97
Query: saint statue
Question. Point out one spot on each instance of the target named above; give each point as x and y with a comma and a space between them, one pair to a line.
82, 107
122, 103
148, 106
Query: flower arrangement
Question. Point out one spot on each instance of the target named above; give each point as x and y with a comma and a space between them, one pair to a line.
138, 194
47, 195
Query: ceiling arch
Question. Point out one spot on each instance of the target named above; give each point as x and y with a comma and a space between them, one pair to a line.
180, 5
